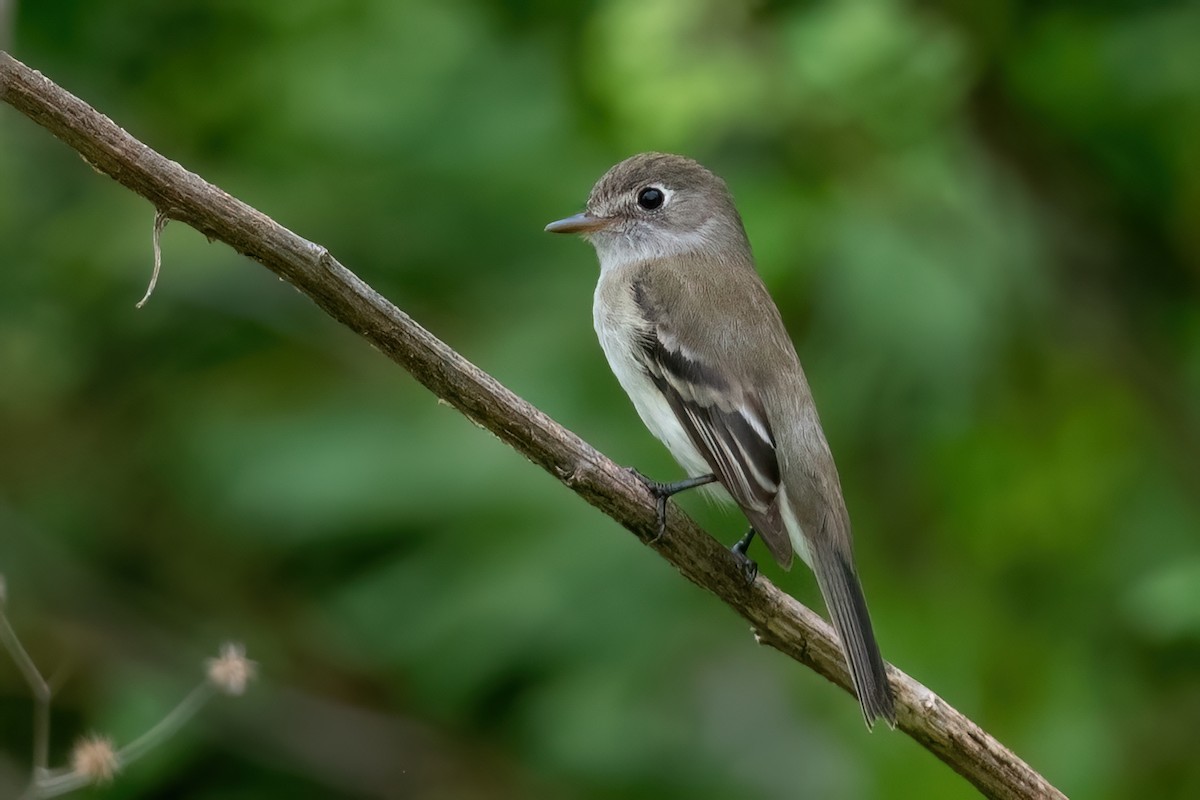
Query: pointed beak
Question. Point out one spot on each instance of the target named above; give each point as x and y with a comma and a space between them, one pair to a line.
580, 223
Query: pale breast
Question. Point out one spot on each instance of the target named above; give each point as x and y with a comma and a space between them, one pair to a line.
617, 322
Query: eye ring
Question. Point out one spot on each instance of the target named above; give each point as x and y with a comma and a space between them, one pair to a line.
651, 198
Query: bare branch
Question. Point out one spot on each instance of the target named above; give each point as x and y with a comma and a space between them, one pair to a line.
777, 618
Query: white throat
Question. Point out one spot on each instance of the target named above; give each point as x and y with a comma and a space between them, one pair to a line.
621, 248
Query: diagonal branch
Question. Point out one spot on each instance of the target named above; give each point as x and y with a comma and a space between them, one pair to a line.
778, 619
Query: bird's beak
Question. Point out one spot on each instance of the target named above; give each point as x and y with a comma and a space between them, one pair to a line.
580, 223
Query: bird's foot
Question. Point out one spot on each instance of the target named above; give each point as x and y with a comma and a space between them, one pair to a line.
749, 568
662, 491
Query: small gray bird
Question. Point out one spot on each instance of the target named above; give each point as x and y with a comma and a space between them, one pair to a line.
700, 348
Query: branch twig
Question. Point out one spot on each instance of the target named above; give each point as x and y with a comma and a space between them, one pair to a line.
160, 222
778, 619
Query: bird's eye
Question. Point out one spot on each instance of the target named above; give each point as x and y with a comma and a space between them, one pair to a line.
651, 198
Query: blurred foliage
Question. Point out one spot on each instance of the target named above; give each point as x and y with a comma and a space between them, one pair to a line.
979, 220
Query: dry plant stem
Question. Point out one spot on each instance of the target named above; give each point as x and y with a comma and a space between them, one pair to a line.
56, 784
160, 222
40, 690
778, 619
63, 781
168, 725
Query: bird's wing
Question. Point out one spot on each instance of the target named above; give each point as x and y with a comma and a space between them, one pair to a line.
723, 395
721, 412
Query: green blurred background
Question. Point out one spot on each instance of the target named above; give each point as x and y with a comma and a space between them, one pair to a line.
980, 220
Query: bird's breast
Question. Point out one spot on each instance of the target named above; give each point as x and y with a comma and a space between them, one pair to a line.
618, 322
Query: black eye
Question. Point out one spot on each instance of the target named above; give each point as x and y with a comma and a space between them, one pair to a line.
650, 198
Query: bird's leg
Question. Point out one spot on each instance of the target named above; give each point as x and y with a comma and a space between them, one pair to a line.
749, 568
662, 491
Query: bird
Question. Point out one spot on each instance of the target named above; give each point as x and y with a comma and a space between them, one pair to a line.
696, 341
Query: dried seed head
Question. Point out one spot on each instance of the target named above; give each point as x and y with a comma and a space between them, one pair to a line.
231, 670
95, 759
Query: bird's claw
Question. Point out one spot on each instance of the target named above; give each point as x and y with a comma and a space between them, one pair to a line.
660, 493
748, 566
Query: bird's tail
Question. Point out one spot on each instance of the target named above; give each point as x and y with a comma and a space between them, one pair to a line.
843, 595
